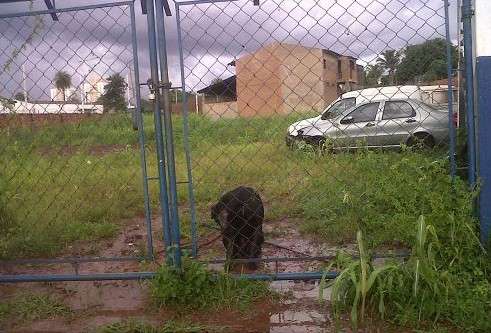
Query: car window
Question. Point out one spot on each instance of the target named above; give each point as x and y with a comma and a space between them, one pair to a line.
398, 109
364, 113
339, 107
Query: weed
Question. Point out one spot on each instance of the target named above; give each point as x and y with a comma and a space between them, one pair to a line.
424, 291
28, 307
197, 288
132, 326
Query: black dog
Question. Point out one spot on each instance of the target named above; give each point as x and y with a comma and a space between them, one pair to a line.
240, 215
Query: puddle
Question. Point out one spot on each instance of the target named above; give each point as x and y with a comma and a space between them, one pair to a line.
99, 303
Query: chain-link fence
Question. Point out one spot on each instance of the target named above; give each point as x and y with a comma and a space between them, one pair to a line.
320, 118
297, 123
71, 184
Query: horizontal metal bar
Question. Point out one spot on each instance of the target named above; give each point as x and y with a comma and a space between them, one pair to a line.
76, 277
153, 178
201, 2
64, 10
67, 260
49, 5
403, 254
151, 275
302, 276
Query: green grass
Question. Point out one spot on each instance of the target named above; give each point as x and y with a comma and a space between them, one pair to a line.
195, 287
28, 307
133, 326
70, 182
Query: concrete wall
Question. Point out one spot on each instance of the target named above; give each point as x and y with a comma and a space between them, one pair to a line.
191, 105
50, 108
302, 74
225, 110
46, 119
329, 78
284, 78
259, 83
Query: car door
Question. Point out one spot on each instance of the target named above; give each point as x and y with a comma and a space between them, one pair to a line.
399, 120
358, 127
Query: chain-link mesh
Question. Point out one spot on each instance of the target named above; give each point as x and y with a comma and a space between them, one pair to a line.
70, 172
316, 106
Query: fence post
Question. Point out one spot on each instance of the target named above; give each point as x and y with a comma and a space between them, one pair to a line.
451, 125
164, 200
187, 148
165, 85
467, 14
483, 73
137, 115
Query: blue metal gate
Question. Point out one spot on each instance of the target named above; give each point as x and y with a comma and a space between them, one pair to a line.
256, 73
91, 46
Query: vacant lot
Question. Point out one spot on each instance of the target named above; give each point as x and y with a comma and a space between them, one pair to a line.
70, 189
77, 182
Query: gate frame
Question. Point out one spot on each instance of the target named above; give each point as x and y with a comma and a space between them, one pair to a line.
160, 85
302, 275
75, 261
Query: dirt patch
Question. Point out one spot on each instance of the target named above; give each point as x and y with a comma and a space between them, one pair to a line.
95, 304
41, 120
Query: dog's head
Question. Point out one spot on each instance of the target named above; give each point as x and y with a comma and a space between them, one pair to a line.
219, 214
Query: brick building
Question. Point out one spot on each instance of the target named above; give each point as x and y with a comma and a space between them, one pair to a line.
282, 78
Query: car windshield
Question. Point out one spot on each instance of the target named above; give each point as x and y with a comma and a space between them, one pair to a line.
339, 107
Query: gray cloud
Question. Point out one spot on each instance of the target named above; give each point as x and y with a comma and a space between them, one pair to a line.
213, 35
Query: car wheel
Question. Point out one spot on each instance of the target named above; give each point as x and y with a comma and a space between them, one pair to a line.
421, 141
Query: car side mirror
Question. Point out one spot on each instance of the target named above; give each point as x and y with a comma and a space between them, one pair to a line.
347, 120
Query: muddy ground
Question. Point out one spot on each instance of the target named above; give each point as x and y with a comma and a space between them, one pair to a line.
94, 304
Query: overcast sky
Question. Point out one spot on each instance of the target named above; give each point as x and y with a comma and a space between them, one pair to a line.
213, 35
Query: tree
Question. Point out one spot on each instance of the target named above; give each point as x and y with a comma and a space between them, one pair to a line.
373, 74
426, 61
63, 81
216, 80
113, 97
74, 99
20, 97
389, 60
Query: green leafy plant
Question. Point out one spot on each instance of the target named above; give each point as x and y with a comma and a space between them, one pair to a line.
355, 284
426, 290
195, 287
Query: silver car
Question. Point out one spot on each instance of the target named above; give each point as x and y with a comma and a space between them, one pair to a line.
384, 123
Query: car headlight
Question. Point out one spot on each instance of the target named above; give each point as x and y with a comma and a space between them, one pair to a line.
293, 131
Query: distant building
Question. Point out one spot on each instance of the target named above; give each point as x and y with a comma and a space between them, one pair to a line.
281, 78
57, 94
93, 88
89, 92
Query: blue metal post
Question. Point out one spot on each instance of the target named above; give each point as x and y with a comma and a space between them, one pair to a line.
141, 132
154, 66
187, 149
467, 14
482, 19
168, 134
451, 125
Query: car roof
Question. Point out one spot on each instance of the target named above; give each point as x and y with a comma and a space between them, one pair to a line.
384, 93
